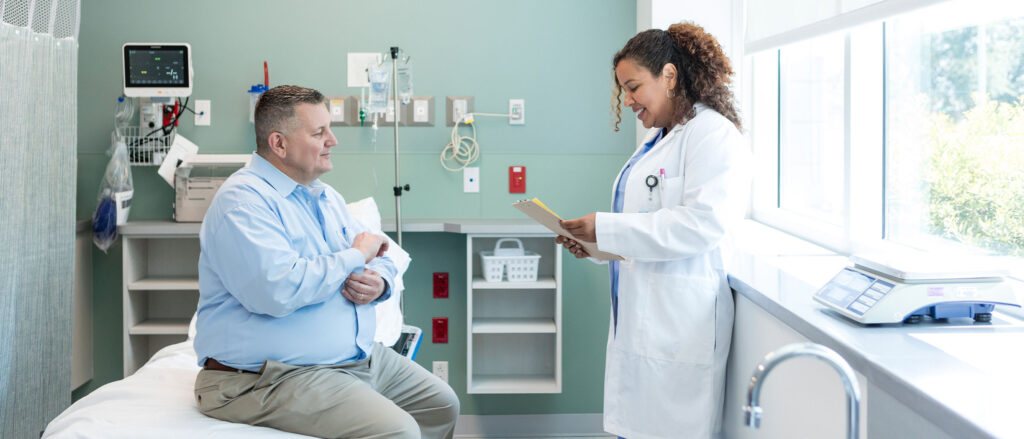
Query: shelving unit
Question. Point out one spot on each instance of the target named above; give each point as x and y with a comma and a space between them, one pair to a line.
161, 286
514, 333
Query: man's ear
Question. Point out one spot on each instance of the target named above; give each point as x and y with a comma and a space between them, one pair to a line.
277, 143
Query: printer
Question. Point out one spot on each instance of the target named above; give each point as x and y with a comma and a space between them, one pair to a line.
197, 179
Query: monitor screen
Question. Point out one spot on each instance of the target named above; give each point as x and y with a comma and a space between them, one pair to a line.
156, 66
157, 69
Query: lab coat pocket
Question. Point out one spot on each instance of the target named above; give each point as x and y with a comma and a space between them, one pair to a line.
672, 192
679, 319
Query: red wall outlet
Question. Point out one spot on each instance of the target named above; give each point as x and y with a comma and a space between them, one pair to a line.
440, 285
440, 330
517, 179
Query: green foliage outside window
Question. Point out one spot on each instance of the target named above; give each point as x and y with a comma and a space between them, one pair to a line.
974, 180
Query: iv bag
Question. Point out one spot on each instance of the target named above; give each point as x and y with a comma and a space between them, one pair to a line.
405, 80
379, 76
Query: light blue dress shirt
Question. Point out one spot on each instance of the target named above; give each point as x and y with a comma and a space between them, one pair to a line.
274, 256
617, 202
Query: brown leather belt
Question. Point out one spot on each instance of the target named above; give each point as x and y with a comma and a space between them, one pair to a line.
212, 364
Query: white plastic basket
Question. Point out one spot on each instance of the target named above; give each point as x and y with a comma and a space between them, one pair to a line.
511, 264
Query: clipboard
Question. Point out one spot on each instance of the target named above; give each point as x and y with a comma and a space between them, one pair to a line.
547, 218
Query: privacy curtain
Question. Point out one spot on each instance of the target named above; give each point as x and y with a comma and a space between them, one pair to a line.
38, 135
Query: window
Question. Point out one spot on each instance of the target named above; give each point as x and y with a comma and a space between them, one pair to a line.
909, 129
811, 140
955, 128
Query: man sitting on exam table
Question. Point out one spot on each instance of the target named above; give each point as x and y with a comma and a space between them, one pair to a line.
287, 283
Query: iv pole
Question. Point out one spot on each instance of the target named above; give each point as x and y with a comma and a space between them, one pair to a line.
398, 186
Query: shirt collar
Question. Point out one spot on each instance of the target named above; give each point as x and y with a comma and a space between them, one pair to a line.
283, 184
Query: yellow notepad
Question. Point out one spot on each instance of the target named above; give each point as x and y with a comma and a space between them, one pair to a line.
540, 213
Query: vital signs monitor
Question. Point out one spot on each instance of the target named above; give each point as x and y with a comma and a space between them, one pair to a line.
156, 70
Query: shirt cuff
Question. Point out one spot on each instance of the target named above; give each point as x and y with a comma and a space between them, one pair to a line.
353, 260
386, 294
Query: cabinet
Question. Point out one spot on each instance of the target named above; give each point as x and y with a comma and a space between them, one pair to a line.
514, 330
160, 286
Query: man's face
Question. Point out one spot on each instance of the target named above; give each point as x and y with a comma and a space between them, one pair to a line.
308, 143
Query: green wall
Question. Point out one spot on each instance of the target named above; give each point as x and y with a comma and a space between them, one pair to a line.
554, 54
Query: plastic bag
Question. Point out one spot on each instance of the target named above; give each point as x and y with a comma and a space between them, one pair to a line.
114, 199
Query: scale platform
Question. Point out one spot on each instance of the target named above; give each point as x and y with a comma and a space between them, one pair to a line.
887, 289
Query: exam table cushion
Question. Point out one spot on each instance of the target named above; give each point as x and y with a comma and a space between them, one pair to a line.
155, 402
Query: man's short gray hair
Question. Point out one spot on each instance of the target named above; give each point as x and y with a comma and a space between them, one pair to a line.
275, 110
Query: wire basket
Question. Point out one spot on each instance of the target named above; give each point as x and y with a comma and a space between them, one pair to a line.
146, 150
512, 264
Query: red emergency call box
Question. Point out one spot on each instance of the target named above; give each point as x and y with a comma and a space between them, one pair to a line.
517, 179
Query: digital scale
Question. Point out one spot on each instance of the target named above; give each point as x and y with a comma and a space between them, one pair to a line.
893, 289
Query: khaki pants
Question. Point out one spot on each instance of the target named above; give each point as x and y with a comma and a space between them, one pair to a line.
384, 396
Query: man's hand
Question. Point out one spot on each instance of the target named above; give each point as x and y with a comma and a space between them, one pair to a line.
363, 288
582, 228
370, 245
574, 247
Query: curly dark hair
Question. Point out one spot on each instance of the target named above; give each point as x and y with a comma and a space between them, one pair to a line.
704, 70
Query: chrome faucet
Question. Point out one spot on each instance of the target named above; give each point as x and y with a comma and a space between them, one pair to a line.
752, 411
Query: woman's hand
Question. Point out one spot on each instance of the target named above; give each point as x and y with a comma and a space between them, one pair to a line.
582, 228
574, 247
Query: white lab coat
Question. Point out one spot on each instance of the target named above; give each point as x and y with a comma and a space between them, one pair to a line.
665, 366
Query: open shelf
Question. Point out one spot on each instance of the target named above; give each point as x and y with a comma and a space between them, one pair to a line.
163, 326
165, 284
513, 326
544, 283
514, 384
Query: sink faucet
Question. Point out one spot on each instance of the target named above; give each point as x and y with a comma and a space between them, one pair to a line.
752, 411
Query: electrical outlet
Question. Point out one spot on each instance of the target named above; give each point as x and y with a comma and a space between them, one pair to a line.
516, 111
440, 330
440, 285
471, 180
456, 107
202, 111
441, 370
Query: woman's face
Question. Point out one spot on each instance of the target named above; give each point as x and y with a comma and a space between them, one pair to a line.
646, 94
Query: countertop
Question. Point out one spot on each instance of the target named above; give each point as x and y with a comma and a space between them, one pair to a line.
507, 226
961, 376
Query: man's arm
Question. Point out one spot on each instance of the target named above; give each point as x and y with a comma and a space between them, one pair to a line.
258, 266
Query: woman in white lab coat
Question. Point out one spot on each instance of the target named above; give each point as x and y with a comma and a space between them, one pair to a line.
673, 206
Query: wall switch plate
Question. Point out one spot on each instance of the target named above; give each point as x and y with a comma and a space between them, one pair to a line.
344, 110
455, 107
440, 330
441, 370
517, 111
202, 111
471, 179
440, 285
419, 112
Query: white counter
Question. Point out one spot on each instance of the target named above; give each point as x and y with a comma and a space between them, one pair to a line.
961, 376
